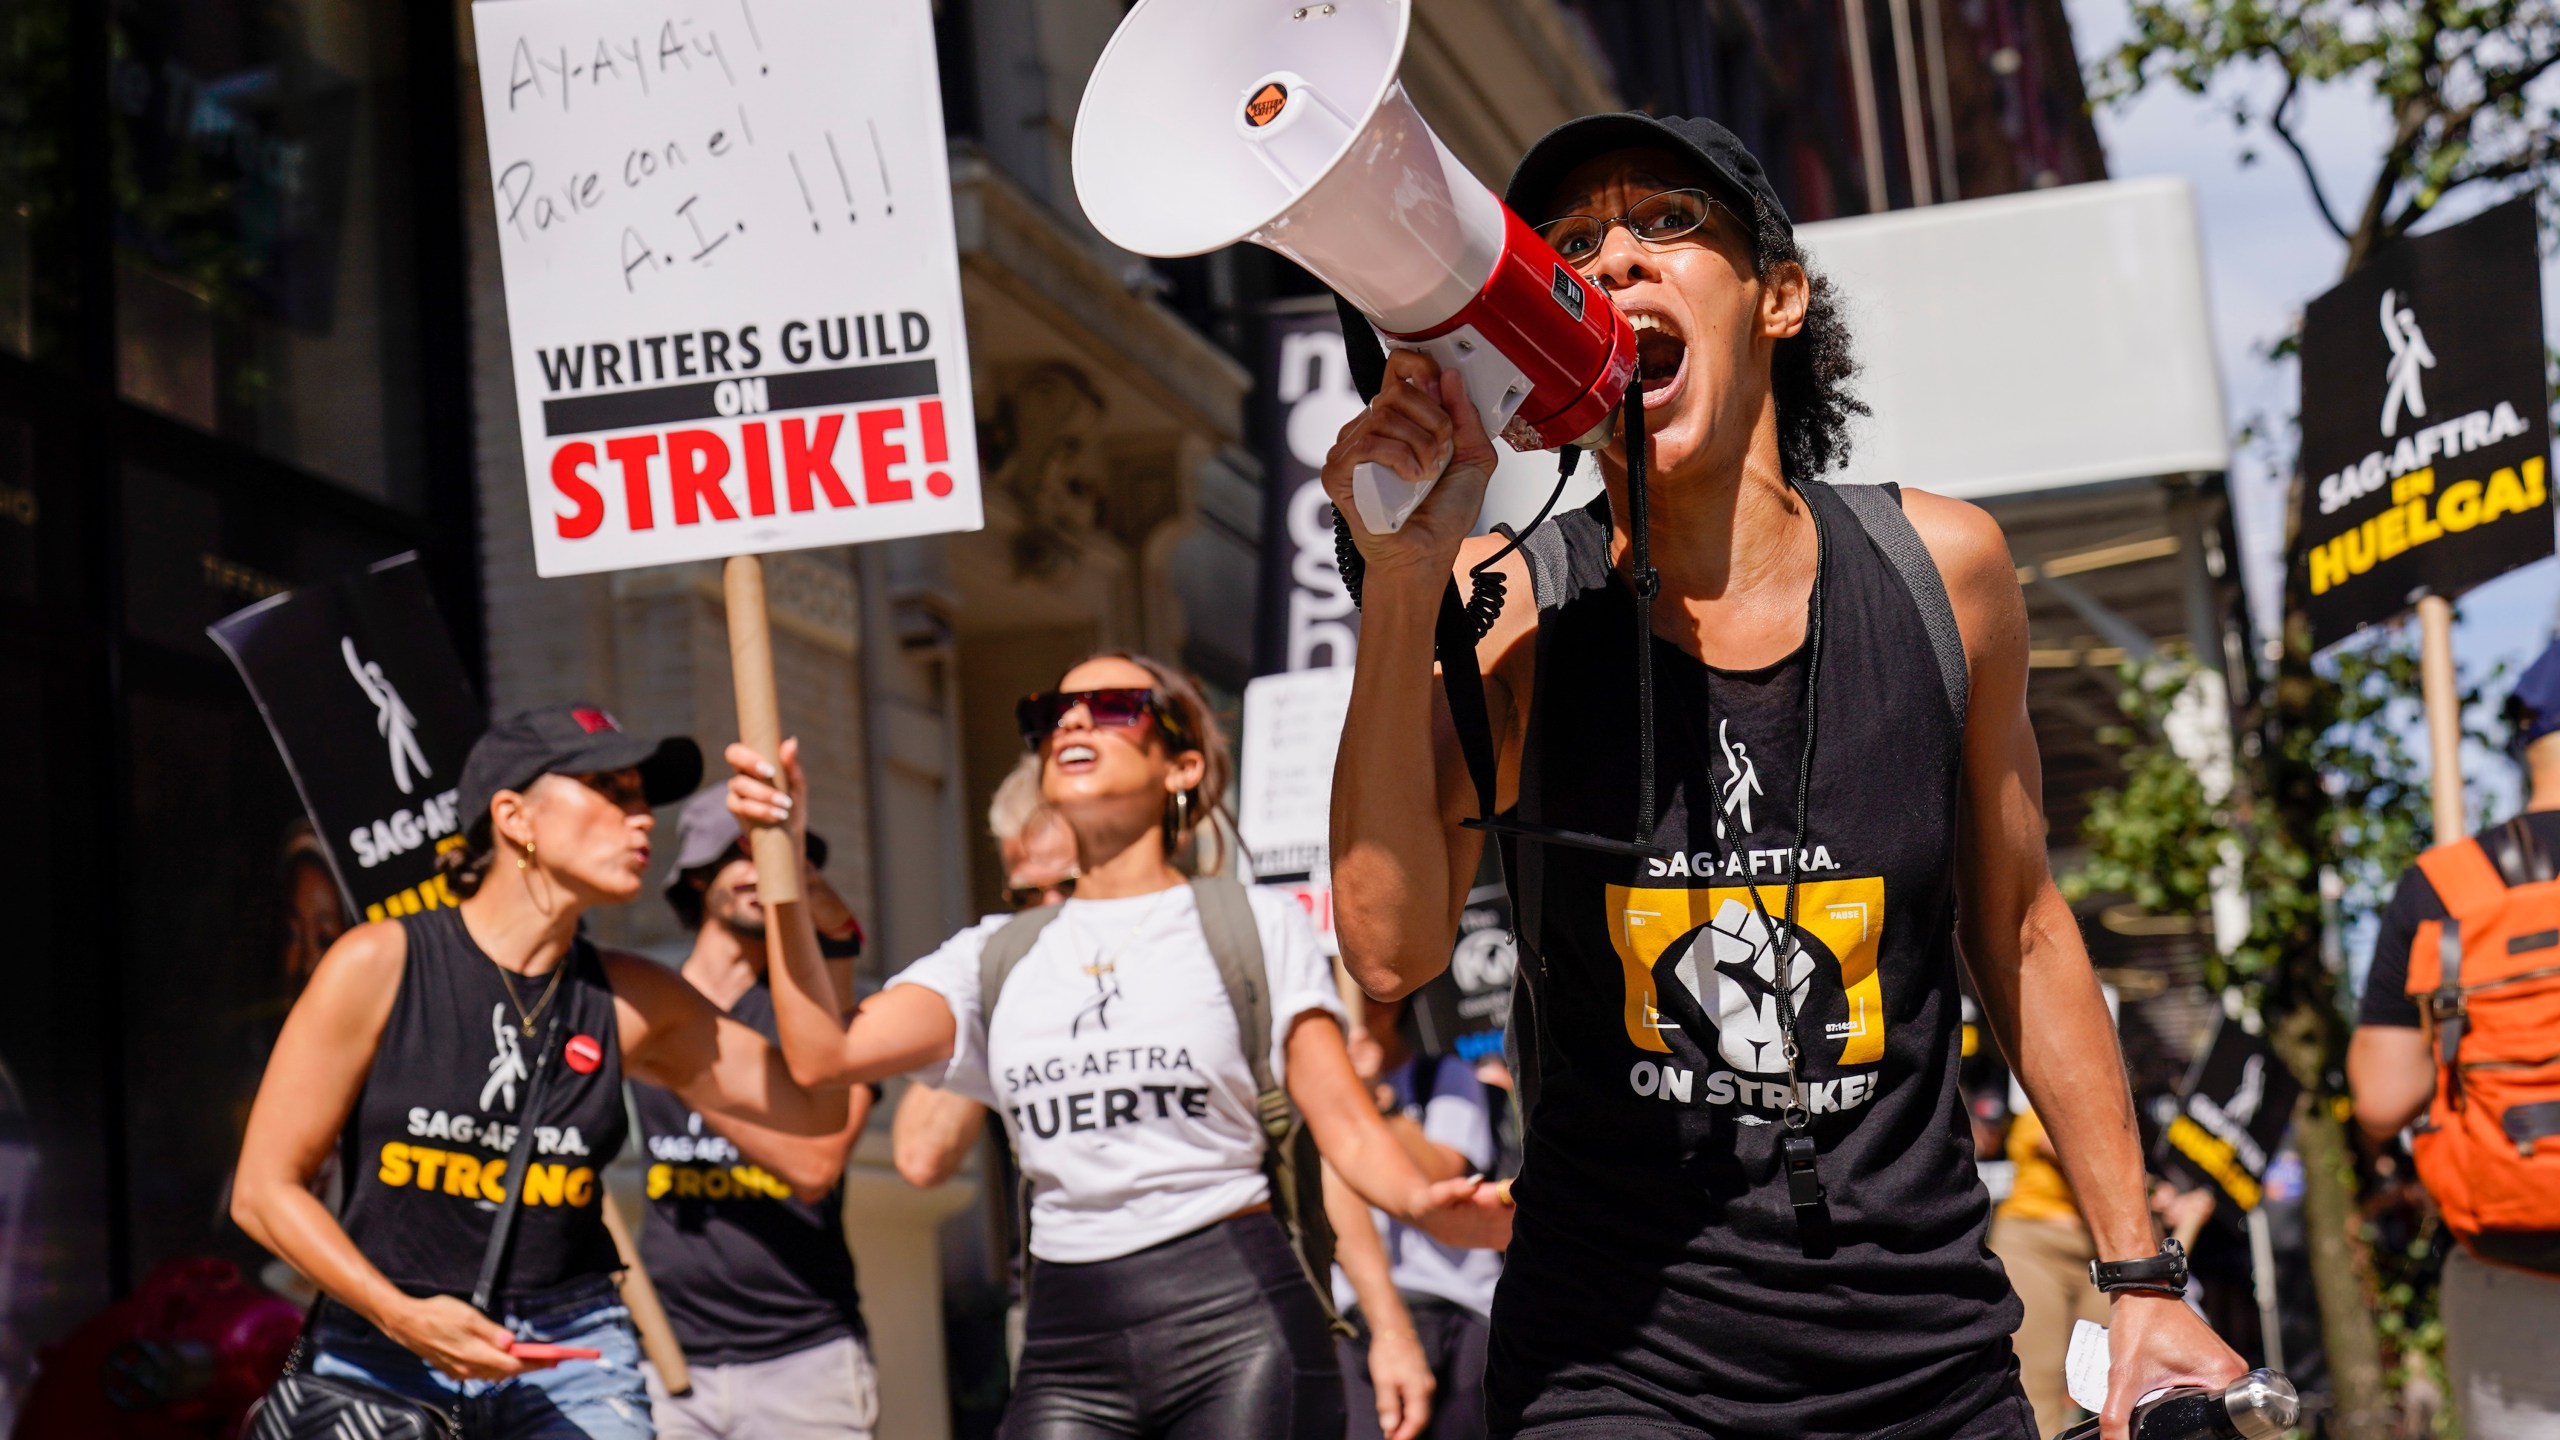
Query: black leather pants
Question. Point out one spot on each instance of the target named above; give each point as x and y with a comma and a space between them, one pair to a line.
1214, 1335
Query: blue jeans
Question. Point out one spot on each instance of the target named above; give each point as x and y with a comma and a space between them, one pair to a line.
602, 1399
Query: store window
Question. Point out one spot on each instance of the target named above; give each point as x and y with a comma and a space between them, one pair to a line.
265, 260
33, 67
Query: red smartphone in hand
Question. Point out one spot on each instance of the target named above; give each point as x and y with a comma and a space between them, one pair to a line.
538, 1350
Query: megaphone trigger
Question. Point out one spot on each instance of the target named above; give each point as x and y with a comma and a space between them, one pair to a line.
1495, 388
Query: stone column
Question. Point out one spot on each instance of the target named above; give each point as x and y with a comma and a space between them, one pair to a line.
893, 1228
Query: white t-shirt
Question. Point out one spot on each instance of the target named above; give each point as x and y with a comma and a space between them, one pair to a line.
1128, 1099
1458, 1116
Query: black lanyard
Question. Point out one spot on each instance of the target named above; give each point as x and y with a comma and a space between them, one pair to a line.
1786, 942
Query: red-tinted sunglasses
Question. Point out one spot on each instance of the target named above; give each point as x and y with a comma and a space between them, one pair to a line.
1039, 716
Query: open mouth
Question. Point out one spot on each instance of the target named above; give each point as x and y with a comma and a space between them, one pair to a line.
1662, 356
1076, 757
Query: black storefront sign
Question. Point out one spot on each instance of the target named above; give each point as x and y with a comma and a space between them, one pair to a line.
360, 686
2230, 1118
1463, 1010
2426, 430
1304, 397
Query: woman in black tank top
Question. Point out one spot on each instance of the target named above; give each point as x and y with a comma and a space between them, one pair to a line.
1748, 1206
413, 1053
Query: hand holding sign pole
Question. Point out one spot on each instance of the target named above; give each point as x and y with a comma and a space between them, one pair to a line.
733, 294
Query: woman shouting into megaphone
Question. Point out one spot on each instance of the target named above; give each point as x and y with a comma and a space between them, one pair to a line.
1758, 789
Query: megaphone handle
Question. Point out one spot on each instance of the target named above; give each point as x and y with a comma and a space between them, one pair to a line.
1495, 387
1385, 499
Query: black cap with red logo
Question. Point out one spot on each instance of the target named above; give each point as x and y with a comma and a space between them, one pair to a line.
572, 740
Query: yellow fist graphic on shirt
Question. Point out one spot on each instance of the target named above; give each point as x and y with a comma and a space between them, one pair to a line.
1731, 968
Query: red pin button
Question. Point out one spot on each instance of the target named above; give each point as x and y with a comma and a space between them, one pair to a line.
583, 1053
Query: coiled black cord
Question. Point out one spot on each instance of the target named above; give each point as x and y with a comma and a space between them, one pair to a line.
1487, 587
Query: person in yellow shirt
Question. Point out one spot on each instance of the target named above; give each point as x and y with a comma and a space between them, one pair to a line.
2038, 1234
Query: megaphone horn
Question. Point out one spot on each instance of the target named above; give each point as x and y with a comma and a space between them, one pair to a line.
1207, 122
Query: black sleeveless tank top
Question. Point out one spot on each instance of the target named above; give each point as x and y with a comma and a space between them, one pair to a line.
426, 1147
746, 1271
1659, 1281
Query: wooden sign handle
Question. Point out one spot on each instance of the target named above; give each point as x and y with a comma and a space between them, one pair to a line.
759, 718
648, 1315
2444, 714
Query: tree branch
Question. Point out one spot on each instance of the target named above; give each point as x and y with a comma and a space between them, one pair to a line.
2302, 157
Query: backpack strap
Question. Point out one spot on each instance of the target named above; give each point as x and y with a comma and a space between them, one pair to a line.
1235, 942
2445, 1004
1879, 512
2464, 877
1005, 950
2516, 852
1289, 1158
2471, 885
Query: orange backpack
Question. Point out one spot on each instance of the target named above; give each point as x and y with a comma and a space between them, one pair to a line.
2488, 981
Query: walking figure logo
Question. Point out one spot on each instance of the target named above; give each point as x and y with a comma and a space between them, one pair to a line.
2252, 1092
507, 1066
390, 716
1106, 988
2410, 359
1745, 782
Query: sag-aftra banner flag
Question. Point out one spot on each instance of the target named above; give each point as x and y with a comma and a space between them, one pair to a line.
361, 688
733, 294
2426, 427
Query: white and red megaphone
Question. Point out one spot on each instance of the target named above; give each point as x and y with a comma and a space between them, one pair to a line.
1281, 122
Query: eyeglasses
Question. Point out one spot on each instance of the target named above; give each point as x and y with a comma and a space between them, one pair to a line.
1023, 897
1039, 716
1657, 219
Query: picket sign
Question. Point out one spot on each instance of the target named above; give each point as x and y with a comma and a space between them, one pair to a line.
2426, 448
733, 291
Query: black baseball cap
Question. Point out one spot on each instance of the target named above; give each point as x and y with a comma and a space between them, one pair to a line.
1731, 168
572, 740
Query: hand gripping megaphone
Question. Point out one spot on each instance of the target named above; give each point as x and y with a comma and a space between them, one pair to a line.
1281, 122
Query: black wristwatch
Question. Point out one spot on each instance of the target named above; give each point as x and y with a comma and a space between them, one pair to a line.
2161, 1274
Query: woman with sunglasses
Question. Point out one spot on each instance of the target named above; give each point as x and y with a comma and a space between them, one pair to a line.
415, 1052
1165, 1300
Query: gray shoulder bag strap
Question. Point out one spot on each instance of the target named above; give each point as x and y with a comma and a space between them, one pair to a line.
1289, 1157
1879, 512
1004, 951
1235, 942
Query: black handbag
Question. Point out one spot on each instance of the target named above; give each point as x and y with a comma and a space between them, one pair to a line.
304, 1406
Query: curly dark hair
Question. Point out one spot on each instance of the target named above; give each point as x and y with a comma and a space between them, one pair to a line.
1810, 373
